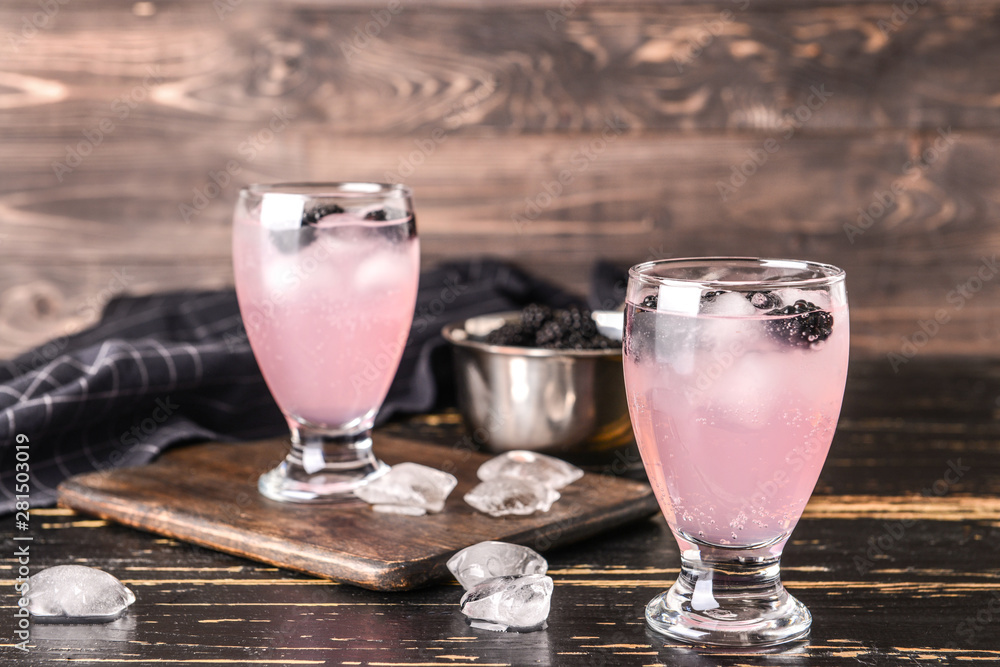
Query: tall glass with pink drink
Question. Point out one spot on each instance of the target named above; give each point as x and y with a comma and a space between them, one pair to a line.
735, 371
326, 277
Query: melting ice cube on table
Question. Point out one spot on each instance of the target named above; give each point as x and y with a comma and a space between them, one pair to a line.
521, 464
486, 560
408, 488
504, 496
518, 603
76, 594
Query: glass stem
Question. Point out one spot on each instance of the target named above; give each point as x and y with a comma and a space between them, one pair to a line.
323, 467
317, 451
714, 579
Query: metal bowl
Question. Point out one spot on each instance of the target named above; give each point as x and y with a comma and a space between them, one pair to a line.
568, 403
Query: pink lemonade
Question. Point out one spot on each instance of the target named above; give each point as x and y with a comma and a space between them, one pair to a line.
327, 308
734, 407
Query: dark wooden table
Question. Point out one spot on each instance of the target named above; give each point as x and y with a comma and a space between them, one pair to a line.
897, 556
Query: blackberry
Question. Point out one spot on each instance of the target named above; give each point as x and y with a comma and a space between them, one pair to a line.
763, 300
549, 334
511, 333
574, 319
576, 341
290, 241
314, 215
534, 316
560, 329
711, 296
384, 214
809, 325
650, 302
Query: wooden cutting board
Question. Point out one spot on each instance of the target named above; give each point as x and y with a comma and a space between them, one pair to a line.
207, 494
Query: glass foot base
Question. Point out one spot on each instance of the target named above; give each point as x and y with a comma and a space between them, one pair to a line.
736, 624
322, 469
734, 602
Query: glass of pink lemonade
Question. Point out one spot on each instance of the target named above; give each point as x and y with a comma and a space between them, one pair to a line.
734, 372
326, 277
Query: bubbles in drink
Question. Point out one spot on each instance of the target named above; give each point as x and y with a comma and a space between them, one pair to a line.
733, 399
383, 270
732, 392
277, 273
675, 341
330, 304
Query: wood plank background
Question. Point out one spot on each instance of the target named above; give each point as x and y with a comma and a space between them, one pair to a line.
119, 120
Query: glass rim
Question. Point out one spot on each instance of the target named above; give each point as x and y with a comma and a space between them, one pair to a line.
829, 274
329, 189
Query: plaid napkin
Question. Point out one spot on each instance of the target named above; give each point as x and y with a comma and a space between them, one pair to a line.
168, 368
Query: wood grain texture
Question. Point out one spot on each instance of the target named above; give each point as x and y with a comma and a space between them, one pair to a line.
127, 128
927, 598
639, 198
551, 67
207, 494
